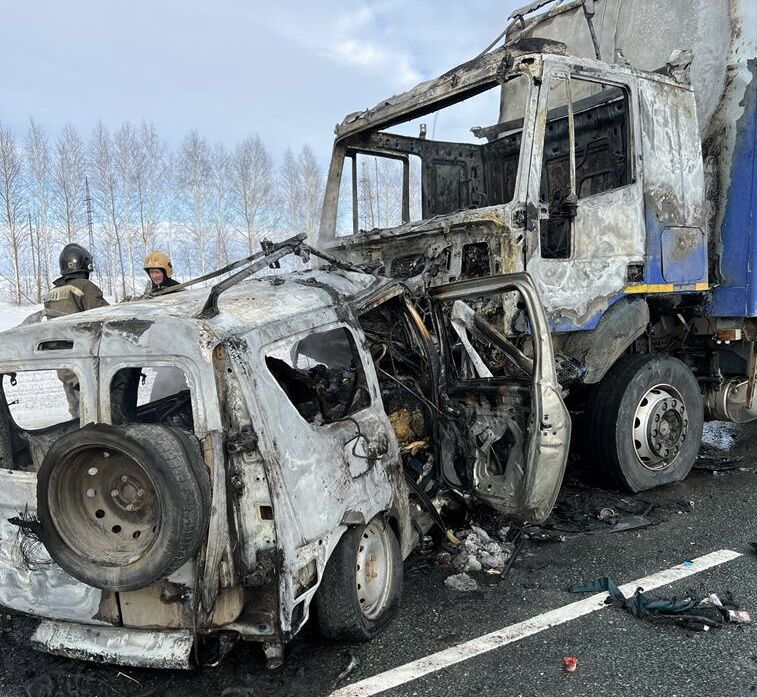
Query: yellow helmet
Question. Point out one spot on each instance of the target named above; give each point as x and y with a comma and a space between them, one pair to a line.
159, 260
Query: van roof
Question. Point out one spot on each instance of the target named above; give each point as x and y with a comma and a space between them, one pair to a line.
253, 303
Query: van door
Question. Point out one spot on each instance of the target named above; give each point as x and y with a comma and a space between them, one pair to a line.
506, 428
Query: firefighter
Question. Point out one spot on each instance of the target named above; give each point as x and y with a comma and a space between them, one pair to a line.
159, 268
73, 292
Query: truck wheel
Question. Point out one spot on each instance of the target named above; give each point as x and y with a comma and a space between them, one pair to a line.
362, 584
121, 507
644, 422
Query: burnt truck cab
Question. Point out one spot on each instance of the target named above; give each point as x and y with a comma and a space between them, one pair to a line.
590, 180
230, 460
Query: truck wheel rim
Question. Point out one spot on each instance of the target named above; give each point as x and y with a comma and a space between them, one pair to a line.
660, 427
104, 506
374, 570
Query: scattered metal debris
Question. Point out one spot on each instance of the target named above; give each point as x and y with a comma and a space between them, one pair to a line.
584, 510
461, 582
714, 459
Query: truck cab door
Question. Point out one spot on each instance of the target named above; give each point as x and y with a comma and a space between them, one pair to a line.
585, 182
506, 430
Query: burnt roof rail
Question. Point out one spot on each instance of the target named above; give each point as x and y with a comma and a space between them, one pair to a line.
272, 252
229, 267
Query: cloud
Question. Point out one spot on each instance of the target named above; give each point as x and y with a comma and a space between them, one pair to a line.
392, 63
360, 37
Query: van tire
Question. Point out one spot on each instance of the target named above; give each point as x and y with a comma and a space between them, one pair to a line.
622, 442
348, 608
124, 520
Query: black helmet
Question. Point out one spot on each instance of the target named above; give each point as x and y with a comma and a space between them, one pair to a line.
75, 259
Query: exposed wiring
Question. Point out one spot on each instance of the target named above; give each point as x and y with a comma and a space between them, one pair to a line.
417, 395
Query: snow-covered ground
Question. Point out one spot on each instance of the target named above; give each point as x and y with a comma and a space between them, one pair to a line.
13, 315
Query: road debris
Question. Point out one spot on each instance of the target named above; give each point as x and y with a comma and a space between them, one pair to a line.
569, 664
480, 552
461, 582
351, 665
690, 612
585, 510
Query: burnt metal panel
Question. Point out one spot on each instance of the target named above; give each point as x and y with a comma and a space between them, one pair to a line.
736, 295
128, 647
684, 255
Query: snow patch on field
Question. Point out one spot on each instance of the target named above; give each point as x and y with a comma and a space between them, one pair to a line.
12, 315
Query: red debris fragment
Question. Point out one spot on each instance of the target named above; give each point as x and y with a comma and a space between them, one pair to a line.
570, 663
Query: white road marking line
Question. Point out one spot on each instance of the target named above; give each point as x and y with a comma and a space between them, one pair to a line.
507, 635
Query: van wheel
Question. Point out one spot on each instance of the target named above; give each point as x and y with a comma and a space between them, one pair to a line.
362, 584
644, 422
121, 507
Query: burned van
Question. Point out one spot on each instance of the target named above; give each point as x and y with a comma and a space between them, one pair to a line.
239, 456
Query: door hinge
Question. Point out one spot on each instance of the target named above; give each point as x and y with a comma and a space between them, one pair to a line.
243, 442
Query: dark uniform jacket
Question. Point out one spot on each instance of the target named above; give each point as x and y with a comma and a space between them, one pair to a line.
167, 283
69, 295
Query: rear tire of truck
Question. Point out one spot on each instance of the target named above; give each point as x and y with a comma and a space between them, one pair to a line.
122, 507
362, 585
643, 422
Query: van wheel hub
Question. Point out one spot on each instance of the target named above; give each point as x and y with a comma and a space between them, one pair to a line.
374, 569
105, 506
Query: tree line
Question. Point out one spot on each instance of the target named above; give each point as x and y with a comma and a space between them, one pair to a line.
122, 193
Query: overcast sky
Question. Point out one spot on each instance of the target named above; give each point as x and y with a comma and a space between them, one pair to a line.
228, 67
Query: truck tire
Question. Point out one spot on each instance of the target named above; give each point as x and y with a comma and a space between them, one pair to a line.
362, 585
643, 422
121, 507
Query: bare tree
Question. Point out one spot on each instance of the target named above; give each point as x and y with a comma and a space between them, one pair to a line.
12, 202
38, 173
150, 181
68, 182
170, 206
253, 189
204, 205
107, 199
290, 178
220, 202
313, 185
128, 161
193, 174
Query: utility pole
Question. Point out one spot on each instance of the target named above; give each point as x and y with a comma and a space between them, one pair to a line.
90, 229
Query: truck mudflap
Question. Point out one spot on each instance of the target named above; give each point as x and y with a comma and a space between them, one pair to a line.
139, 648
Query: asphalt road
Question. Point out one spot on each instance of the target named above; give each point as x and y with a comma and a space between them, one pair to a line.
617, 654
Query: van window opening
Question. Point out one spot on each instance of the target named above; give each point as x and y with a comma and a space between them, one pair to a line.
322, 375
152, 395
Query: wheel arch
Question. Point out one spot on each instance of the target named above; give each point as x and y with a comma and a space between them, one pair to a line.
600, 348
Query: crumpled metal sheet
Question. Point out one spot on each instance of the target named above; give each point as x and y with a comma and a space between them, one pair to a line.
30, 581
128, 647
